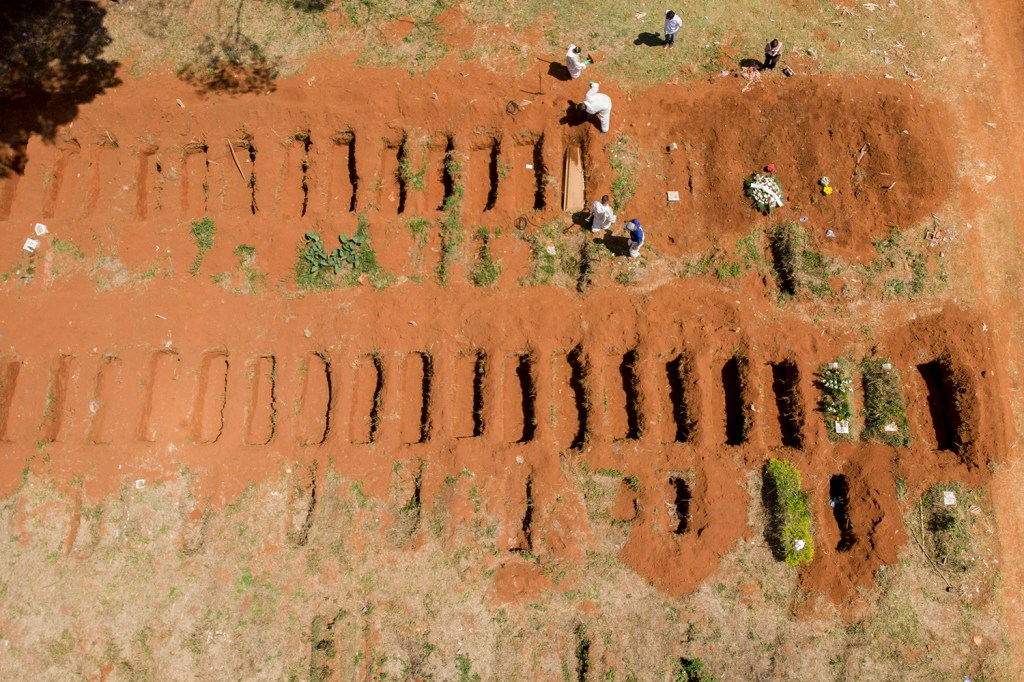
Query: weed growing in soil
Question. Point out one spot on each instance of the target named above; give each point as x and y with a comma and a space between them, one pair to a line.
747, 255
354, 259
253, 279
66, 247
202, 234
692, 670
414, 180
451, 224
790, 515
487, 270
420, 229
836, 384
885, 416
622, 158
551, 256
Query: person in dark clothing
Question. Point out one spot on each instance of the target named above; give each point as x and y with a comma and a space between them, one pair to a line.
772, 52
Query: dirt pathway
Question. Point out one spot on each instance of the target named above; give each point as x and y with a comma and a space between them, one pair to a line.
1001, 22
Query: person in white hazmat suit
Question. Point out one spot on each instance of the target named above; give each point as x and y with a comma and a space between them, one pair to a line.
573, 63
602, 215
599, 104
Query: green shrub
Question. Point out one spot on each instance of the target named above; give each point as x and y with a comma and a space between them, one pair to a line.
692, 670
789, 513
451, 223
318, 268
885, 416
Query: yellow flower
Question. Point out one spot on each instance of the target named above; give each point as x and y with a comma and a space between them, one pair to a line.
827, 190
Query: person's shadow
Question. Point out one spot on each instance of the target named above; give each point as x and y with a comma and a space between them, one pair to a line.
649, 39
617, 244
751, 63
559, 71
582, 219
573, 116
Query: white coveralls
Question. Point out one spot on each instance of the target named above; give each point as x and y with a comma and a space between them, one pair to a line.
604, 217
600, 104
573, 63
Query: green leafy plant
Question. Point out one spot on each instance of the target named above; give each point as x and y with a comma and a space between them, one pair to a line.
202, 232
836, 386
885, 416
318, 268
789, 513
692, 670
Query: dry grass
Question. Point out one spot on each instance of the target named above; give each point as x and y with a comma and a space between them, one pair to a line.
156, 591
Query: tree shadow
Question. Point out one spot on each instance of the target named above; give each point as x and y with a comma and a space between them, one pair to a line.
50, 64
232, 63
559, 71
649, 39
573, 117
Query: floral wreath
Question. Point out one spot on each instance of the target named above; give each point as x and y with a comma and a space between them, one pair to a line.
764, 190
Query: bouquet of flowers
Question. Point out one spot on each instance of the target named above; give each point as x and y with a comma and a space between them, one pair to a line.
764, 190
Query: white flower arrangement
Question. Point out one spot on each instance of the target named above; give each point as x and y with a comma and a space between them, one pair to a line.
765, 191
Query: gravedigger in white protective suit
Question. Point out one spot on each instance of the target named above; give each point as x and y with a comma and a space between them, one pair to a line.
602, 216
573, 63
599, 104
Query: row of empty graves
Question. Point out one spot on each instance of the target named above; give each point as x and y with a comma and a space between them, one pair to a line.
324, 173
563, 398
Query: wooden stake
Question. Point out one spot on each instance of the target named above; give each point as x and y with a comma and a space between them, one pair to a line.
235, 158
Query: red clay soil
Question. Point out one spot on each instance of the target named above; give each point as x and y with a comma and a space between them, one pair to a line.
131, 380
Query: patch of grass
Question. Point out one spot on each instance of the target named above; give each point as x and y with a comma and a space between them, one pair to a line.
202, 232
623, 159
796, 265
748, 254
254, 280
836, 385
901, 266
451, 223
949, 537
591, 255
414, 180
487, 270
553, 261
885, 416
66, 247
789, 512
420, 229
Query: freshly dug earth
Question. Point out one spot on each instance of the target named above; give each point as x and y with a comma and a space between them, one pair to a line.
122, 369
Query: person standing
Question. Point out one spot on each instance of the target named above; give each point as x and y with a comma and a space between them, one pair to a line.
602, 216
772, 52
573, 63
599, 104
636, 237
672, 25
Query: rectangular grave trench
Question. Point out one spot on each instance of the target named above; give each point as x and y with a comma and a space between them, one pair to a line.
195, 164
521, 414
579, 366
210, 398
343, 176
839, 499
417, 397
9, 371
629, 371
108, 385
789, 403
316, 399
683, 498
529, 171
735, 376
945, 413
261, 411
367, 399
484, 173
468, 399
683, 396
